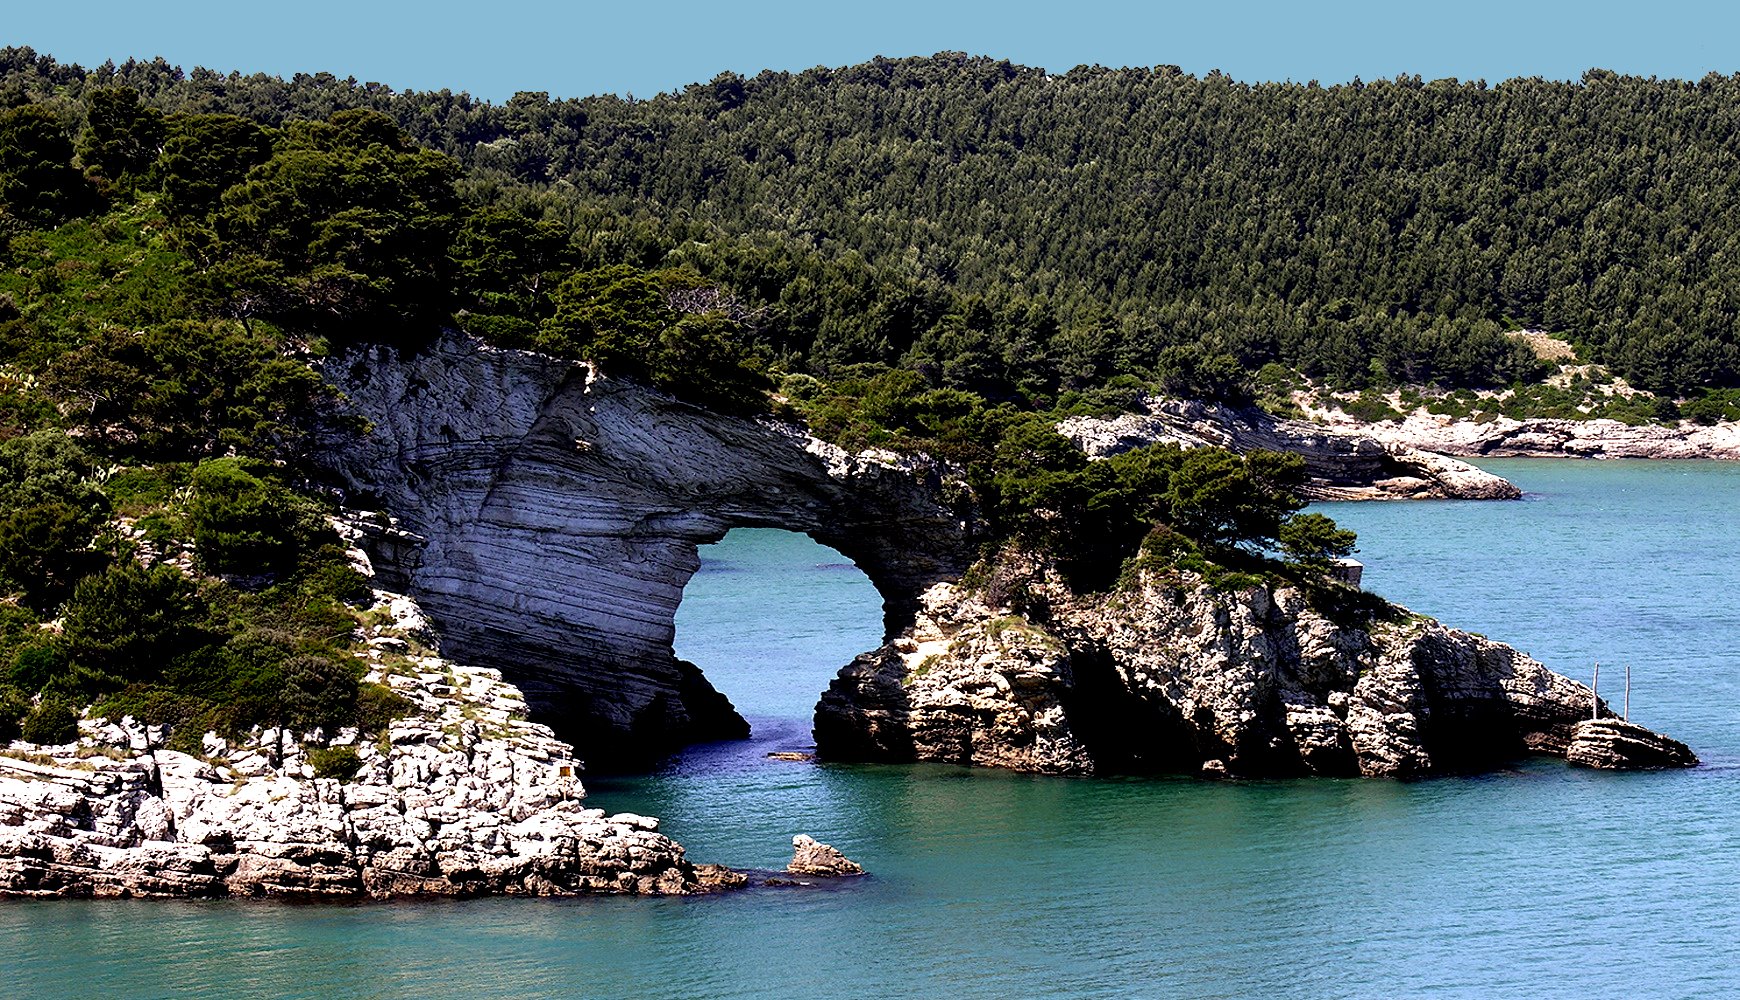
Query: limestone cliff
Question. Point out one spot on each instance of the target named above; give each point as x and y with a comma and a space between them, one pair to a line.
1169, 675
1345, 463
547, 519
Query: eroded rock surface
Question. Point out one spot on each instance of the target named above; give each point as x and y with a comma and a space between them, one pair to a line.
1616, 745
465, 797
548, 519
811, 857
1344, 463
1172, 676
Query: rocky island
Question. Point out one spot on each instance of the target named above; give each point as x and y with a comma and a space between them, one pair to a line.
546, 519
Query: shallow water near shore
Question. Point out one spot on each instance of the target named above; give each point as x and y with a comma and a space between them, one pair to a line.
1539, 881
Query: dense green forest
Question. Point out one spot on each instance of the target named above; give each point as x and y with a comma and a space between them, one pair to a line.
942, 254
1037, 229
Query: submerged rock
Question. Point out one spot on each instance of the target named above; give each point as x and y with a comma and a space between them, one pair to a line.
811, 857
1616, 745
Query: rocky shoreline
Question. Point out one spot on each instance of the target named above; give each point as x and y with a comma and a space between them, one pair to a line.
1171, 675
1503, 437
1344, 462
462, 797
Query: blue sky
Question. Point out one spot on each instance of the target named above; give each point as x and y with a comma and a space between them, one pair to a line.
578, 48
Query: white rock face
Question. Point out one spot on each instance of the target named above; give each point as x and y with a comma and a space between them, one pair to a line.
1174, 677
1344, 462
1504, 437
463, 797
548, 521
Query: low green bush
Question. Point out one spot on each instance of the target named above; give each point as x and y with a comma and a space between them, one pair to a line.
14, 706
377, 706
1370, 407
52, 722
241, 522
335, 762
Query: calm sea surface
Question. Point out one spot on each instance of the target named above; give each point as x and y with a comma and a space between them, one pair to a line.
1539, 882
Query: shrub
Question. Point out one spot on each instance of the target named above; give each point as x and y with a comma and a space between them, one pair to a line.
36, 664
44, 550
240, 522
319, 692
14, 706
1370, 407
128, 621
144, 487
335, 762
48, 467
52, 722
1714, 406
377, 706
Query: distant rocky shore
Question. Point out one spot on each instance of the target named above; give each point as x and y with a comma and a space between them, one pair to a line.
1503, 437
1344, 462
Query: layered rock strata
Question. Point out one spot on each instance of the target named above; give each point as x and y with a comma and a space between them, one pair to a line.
548, 519
1617, 745
1170, 675
1344, 463
462, 797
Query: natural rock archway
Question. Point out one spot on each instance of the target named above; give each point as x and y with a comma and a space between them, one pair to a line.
548, 519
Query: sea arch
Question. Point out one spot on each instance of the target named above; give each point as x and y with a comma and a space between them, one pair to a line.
548, 519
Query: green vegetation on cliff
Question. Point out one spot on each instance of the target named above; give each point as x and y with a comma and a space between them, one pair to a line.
1126, 210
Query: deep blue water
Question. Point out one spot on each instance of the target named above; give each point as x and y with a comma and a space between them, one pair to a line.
1539, 881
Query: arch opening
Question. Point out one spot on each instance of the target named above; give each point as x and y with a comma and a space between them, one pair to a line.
769, 618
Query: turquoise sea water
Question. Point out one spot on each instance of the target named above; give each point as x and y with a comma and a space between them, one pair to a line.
1540, 881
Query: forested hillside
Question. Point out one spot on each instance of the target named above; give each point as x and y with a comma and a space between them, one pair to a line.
170, 283
1015, 232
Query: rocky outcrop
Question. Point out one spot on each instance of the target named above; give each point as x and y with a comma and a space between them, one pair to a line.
1617, 745
811, 857
1170, 675
462, 797
1344, 463
1503, 437
548, 519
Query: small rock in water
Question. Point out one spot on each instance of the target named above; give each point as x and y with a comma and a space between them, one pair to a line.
1617, 745
1214, 768
811, 857
718, 878
797, 755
